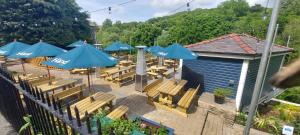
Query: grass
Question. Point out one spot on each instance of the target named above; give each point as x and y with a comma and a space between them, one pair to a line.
291, 95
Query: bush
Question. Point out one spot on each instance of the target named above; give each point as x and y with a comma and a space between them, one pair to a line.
291, 95
267, 123
287, 113
222, 92
241, 118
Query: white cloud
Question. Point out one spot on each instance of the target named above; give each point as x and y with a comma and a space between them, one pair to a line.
160, 14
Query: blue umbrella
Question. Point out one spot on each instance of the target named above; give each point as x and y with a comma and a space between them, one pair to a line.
155, 48
177, 51
118, 46
77, 43
40, 49
12, 48
82, 57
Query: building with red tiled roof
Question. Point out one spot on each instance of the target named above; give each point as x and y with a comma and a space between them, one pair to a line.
232, 61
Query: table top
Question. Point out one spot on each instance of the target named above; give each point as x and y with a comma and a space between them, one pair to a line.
169, 61
56, 84
166, 86
125, 61
92, 103
171, 88
158, 67
117, 70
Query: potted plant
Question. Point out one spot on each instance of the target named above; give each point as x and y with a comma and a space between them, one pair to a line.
220, 94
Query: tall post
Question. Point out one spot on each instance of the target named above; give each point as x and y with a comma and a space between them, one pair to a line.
23, 66
89, 83
262, 67
49, 75
287, 45
141, 74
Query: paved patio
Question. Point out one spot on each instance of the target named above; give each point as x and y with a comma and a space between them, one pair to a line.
137, 103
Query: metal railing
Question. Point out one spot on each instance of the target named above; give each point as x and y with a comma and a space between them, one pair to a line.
47, 114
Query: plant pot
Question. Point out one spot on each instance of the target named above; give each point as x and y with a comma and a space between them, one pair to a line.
219, 99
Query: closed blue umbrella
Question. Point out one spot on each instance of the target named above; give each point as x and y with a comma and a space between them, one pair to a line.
12, 48
40, 49
82, 57
77, 43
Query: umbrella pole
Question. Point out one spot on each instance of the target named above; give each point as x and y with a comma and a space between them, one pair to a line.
89, 84
23, 66
48, 70
174, 65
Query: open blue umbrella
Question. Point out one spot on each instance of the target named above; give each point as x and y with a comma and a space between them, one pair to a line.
12, 48
155, 48
77, 43
118, 46
82, 57
40, 49
177, 51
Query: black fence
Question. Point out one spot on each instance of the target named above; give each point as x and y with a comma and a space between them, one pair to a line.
48, 117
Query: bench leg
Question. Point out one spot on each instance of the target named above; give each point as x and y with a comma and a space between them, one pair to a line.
181, 109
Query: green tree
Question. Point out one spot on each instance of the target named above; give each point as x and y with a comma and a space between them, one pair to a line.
234, 7
55, 21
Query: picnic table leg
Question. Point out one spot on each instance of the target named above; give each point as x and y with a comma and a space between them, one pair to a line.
110, 105
161, 96
170, 98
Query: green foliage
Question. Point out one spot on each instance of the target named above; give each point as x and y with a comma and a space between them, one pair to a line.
288, 113
58, 22
222, 92
270, 124
126, 126
296, 124
291, 95
27, 124
241, 118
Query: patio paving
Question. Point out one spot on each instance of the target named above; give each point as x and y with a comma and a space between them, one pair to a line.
137, 103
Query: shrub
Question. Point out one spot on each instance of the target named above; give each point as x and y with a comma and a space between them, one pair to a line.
222, 92
287, 113
241, 118
267, 123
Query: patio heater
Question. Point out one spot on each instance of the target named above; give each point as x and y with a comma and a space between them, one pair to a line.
141, 74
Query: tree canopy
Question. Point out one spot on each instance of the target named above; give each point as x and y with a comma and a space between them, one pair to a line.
201, 24
58, 22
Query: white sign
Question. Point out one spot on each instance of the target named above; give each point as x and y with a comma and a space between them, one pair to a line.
287, 130
60, 61
23, 54
162, 53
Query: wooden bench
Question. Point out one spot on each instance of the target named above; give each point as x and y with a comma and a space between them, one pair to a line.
152, 91
118, 113
125, 78
152, 74
92, 104
78, 90
168, 73
185, 102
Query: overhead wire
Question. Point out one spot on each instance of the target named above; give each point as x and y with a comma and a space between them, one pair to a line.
110, 7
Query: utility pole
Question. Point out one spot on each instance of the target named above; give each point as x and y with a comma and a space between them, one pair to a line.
262, 67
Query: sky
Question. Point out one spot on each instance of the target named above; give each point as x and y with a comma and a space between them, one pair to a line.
141, 10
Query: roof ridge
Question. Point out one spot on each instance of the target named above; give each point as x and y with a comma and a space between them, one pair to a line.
242, 44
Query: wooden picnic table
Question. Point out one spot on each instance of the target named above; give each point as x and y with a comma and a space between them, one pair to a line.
125, 62
28, 76
110, 73
170, 89
158, 69
92, 103
57, 85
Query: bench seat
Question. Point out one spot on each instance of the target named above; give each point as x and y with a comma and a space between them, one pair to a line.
185, 102
152, 90
118, 113
125, 78
78, 90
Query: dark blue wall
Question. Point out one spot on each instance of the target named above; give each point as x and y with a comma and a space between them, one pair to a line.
274, 66
212, 73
